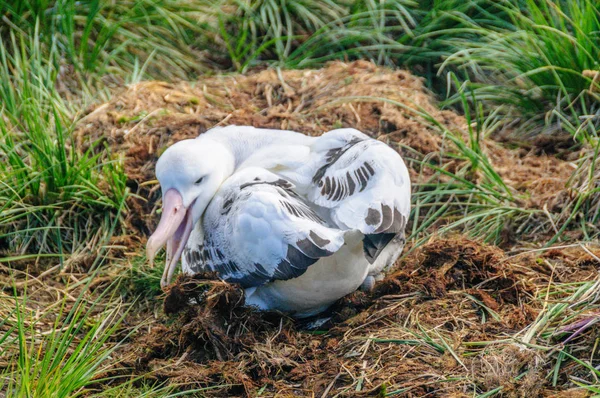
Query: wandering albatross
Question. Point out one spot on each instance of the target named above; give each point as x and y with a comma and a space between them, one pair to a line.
297, 221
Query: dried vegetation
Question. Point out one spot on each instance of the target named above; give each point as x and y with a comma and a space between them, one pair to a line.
392, 105
448, 322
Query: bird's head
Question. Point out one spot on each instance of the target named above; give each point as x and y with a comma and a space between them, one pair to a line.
190, 173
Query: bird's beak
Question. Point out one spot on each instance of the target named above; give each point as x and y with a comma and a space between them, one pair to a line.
174, 229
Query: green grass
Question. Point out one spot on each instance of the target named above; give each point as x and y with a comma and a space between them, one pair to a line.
64, 362
143, 279
54, 194
271, 25
99, 38
528, 57
583, 213
535, 61
69, 349
570, 311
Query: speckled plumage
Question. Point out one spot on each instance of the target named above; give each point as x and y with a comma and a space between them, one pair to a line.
298, 221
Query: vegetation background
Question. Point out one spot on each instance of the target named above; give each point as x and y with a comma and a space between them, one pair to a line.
523, 72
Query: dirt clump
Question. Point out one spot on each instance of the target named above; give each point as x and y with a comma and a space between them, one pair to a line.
449, 264
211, 335
212, 312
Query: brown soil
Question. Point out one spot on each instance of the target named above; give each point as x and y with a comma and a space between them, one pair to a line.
417, 333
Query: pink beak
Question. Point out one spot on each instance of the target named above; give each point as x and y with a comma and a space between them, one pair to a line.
174, 229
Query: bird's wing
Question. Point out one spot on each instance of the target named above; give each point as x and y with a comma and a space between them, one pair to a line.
364, 184
260, 230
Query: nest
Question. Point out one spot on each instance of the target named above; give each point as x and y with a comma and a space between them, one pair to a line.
145, 118
440, 325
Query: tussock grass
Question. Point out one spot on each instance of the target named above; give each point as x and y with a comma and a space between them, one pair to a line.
64, 361
142, 279
529, 57
53, 197
102, 38
584, 209
69, 348
538, 60
570, 310
249, 28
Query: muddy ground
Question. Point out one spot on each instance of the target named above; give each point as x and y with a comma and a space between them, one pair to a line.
456, 317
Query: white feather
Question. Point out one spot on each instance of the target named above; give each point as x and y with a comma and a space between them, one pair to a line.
253, 224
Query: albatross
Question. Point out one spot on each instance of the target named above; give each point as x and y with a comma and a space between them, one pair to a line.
297, 221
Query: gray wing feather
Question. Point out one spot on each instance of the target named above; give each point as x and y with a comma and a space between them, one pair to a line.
266, 233
364, 184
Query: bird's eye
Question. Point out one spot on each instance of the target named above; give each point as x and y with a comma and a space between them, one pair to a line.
199, 180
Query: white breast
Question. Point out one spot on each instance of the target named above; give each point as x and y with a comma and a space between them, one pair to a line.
324, 282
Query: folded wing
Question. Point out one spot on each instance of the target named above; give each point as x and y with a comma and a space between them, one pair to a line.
260, 230
364, 184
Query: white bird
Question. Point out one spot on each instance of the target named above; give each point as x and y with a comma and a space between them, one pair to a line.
297, 221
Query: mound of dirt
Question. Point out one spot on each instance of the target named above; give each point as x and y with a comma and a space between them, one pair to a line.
443, 316
146, 117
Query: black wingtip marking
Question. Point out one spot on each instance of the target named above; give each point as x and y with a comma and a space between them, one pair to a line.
362, 174
301, 210
280, 183
311, 250
227, 205
399, 222
334, 188
351, 184
285, 270
206, 255
299, 259
257, 277
338, 191
327, 188
373, 245
188, 257
285, 184
195, 258
333, 155
321, 242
